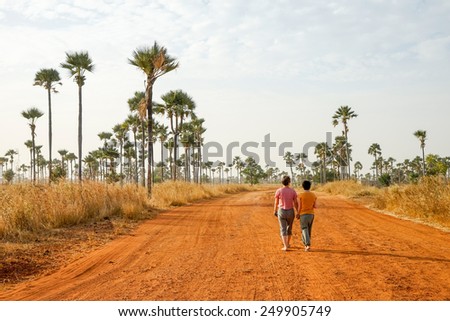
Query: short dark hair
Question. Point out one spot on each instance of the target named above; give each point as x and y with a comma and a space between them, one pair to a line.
306, 185
286, 180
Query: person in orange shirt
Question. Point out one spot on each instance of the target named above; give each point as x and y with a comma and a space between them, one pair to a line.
306, 206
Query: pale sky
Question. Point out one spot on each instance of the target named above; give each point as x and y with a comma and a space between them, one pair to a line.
253, 68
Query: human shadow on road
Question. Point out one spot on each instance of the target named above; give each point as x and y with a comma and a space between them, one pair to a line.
366, 253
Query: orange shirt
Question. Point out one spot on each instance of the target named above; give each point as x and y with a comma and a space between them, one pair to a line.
307, 201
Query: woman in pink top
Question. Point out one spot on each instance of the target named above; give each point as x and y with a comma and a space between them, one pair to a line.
285, 203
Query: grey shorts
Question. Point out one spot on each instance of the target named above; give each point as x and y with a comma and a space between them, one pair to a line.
286, 220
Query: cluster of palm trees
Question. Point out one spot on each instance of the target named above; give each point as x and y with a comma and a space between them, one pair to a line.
127, 152
334, 162
124, 146
153, 61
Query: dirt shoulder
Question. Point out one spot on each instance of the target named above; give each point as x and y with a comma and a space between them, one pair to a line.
229, 249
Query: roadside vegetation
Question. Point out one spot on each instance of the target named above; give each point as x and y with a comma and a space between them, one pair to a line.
27, 210
427, 200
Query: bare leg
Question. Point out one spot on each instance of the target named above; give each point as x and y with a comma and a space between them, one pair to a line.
285, 242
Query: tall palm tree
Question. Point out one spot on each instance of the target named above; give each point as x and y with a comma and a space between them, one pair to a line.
422, 136
77, 64
11, 153
29, 145
120, 131
154, 62
71, 157
322, 151
48, 79
137, 106
375, 150
32, 114
343, 115
91, 162
358, 167
198, 130
63, 153
178, 105
163, 135
290, 161
239, 164
133, 125
3, 161
188, 141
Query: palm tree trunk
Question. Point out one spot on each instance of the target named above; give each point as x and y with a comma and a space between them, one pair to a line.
80, 133
199, 163
143, 154
423, 161
136, 158
149, 97
162, 161
175, 155
121, 162
348, 155
376, 167
50, 136
31, 163
33, 146
292, 174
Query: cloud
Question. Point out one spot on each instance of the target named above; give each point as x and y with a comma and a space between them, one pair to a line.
231, 52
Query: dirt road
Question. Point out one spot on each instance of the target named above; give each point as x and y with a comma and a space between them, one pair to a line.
229, 249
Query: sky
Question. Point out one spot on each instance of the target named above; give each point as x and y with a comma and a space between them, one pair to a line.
257, 70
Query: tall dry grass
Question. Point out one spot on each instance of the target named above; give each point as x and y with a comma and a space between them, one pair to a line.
26, 209
428, 200
179, 193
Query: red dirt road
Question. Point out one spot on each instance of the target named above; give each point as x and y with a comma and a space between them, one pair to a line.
229, 249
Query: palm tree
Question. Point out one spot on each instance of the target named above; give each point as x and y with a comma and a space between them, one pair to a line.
290, 161
239, 164
3, 161
422, 136
358, 167
163, 135
29, 145
91, 162
154, 62
137, 105
322, 152
32, 114
11, 153
375, 150
178, 105
63, 153
344, 114
120, 131
133, 125
48, 78
78, 63
70, 157
198, 131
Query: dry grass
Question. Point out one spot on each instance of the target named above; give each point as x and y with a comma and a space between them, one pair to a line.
180, 193
428, 201
349, 188
26, 210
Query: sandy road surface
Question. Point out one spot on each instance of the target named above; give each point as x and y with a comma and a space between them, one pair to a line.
229, 249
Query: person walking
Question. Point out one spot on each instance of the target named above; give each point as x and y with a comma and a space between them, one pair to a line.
306, 206
285, 203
